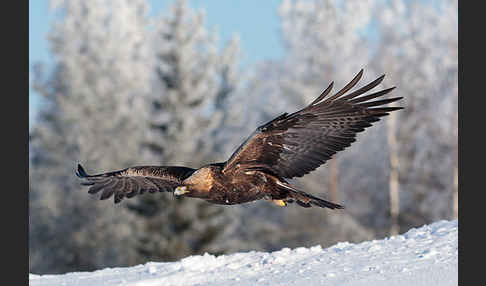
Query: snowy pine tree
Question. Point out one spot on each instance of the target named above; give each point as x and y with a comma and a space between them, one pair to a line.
193, 83
94, 115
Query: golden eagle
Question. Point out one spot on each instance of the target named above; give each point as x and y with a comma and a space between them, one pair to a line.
291, 145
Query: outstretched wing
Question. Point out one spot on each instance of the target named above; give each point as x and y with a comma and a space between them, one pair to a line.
133, 181
293, 145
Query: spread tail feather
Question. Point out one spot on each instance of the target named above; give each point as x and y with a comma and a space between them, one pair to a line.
306, 200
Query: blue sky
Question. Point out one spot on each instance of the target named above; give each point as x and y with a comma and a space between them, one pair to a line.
255, 21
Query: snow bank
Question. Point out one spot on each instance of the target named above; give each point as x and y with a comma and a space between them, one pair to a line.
422, 256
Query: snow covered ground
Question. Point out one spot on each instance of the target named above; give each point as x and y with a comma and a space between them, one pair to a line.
423, 256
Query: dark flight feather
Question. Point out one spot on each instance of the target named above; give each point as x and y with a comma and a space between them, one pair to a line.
135, 180
296, 144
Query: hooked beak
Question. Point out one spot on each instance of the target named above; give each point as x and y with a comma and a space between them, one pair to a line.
180, 190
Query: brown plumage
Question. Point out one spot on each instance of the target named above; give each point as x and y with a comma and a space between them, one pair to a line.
291, 145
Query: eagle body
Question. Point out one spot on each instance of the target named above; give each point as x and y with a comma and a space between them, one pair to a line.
227, 189
289, 146
240, 186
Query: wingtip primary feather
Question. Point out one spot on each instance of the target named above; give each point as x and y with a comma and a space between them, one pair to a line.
378, 80
324, 93
347, 87
351, 98
359, 75
353, 82
80, 172
379, 102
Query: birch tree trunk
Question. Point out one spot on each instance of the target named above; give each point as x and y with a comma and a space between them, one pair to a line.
393, 179
333, 180
455, 194
455, 202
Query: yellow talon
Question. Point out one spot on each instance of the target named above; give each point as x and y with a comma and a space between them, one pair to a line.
280, 203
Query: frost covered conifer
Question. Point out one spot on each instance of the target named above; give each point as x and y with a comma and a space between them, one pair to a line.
193, 83
94, 114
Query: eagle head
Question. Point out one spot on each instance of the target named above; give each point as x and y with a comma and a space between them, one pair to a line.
197, 185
